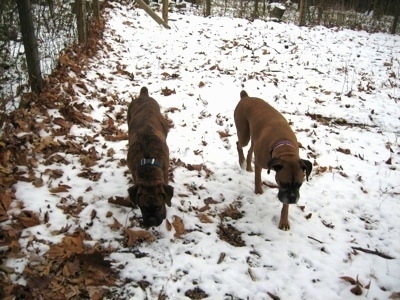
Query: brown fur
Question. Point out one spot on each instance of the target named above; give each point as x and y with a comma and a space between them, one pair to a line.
275, 147
148, 131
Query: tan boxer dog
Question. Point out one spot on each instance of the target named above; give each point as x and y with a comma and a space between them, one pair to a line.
275, 147
148, 159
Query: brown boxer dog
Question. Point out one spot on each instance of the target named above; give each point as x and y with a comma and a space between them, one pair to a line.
275, 147
148, 159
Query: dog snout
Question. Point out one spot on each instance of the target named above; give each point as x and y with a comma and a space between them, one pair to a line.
288, 197
152, 221
292, 197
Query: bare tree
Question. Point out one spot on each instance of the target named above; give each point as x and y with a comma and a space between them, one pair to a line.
396, 17
207, 13
378, 9
302, 12
255, 11
30, 45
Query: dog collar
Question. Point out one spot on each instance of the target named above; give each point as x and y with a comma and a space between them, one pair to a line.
281, 143
149, 161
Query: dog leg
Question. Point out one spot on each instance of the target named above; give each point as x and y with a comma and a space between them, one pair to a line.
250, 158
242, 160
284, 221
257, 180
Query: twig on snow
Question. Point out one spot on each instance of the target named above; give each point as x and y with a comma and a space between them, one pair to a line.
375, 252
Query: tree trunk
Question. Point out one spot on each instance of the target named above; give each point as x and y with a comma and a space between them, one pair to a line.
302, 13
30, 45
255, 12
165, 11
396, 17
208, 8
152, 14
378, 9
81, 21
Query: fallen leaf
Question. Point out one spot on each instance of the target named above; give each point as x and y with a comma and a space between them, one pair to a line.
204, 218
28, 219
349, 279
178, 226
116, 225
356, 290
274, 297
138, 236
62, 188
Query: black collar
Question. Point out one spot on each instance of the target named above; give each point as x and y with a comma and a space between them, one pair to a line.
149, 161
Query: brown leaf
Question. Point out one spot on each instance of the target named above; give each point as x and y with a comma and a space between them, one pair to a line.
191, 167
46, 217
138, 236
349, 279
210, 200
62, 188
395, 295
204, 218
356, 290
274, 297
232, 212
38, 182
93, 214
116, 225
168, 225
224, 134
167, 92
14, 246
28, 219
118, 200
204, 208
7, 181
178, 226
5, 201
345, 151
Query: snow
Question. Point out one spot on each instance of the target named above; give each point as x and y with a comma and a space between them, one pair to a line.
337, 74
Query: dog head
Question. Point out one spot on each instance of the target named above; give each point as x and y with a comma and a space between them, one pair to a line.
290, 176
151, 200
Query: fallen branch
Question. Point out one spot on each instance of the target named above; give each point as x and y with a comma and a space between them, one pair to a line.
310, 237
375, 252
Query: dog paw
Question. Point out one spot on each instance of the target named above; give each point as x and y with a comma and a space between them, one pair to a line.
285, 226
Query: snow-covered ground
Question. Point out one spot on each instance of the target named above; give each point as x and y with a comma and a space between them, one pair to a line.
339, 89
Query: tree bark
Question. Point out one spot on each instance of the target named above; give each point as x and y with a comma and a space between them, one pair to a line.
396, 17
152, 14
30, 45
302, 13
378, 9
165, 11
208, 8
255, 11
81, 21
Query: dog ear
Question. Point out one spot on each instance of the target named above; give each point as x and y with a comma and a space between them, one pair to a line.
133, 194
306, 165
169, 192
275, 164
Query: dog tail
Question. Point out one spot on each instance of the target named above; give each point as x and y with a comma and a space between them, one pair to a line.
144, 91
243, 94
